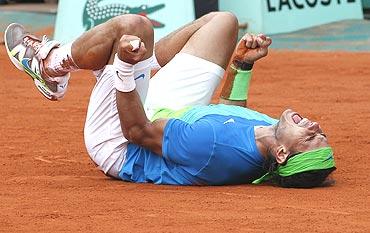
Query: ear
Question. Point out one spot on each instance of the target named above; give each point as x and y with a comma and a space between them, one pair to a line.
281, 154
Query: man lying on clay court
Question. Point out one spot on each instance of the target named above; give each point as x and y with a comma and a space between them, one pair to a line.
166, 132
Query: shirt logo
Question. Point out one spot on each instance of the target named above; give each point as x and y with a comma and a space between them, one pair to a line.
231, 120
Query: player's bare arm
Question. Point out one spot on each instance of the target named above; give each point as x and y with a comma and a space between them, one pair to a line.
136, 127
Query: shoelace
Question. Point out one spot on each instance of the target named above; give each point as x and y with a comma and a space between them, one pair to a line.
35, 43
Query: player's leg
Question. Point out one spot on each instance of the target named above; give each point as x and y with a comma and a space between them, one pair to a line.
96, 48
104, 140
167, 47
191, 77
216, 40
49, 64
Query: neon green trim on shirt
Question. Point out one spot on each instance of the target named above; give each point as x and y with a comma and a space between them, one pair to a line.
169, 113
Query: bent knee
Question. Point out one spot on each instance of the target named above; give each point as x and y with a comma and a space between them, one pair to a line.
225, 15
230, 19
131, 23
227, 20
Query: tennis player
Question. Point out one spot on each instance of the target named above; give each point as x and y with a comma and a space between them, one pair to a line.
163, 130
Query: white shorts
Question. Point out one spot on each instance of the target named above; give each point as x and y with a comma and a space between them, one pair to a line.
185, 81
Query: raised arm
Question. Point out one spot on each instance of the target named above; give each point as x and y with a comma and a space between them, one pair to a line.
136, 127
238, 74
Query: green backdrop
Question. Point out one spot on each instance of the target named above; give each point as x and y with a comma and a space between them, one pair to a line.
268, 16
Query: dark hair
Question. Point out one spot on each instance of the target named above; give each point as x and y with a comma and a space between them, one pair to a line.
308, 179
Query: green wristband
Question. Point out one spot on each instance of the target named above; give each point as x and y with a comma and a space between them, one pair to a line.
240, 88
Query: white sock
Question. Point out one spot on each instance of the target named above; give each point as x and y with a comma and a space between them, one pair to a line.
60, 61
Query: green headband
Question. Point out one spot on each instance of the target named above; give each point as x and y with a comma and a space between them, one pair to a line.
318, 159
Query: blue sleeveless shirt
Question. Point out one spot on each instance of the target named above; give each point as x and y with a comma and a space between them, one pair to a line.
207, 145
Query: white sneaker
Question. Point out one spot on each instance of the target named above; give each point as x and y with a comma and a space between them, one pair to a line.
27, 53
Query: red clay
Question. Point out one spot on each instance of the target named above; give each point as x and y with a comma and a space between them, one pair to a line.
48, 182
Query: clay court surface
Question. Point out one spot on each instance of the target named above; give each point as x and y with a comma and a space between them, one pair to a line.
49, 184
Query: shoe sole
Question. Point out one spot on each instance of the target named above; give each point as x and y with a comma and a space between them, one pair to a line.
39, 84
15, 62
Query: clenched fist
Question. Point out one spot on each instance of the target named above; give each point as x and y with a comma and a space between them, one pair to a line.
131, 49
252, 47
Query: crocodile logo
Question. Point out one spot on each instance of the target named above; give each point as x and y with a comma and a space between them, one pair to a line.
95, 12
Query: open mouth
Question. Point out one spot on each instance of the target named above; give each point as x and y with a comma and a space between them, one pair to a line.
297, 118
302, 121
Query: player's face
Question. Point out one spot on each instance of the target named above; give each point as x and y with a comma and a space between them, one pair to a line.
299, 134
